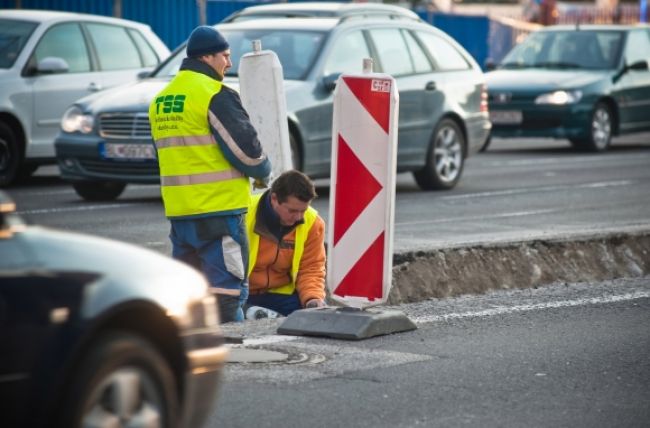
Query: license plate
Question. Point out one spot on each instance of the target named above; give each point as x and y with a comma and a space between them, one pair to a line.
506, 117
128, 151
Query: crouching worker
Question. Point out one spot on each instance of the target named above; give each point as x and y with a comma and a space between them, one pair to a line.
287, 246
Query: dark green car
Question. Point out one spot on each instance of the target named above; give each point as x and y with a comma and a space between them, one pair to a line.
584, 83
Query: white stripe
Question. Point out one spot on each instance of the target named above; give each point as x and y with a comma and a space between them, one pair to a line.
72, 209
533, 307
481, 217
356, 240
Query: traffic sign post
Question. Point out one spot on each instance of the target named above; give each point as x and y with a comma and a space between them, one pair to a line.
261, 90
362, 197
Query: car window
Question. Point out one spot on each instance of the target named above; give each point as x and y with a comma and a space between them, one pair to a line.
13, 36
392, 51
563, 49
149, 57
420, 61
347, 53
638, 47
64, 41
296, 50
115, 49
444, 54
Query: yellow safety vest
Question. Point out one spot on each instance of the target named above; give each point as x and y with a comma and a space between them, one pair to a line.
302, 230
195, 177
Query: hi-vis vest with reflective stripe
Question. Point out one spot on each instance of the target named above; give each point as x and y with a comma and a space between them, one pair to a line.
195, 177
302, 231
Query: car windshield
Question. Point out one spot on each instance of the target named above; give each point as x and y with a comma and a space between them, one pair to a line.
575, 49
296, 50
13, 36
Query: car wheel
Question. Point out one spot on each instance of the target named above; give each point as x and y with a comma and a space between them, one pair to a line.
10, 155
98, 190
600, 130
445, 158
123, 381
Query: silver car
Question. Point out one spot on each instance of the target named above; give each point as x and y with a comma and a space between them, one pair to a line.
50, 59
106, 141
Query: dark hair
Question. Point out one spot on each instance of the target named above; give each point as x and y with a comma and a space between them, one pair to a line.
293, 183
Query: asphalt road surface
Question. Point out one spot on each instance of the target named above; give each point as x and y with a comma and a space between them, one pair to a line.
559, 356
518, 189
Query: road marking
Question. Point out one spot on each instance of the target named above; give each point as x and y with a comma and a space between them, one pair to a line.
70, 209
639, 157
268, 340
532, 307
528, 190
481, 217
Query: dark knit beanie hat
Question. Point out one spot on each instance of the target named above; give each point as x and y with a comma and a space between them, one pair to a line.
205, 40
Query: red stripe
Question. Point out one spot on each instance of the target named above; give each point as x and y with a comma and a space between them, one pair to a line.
355, 188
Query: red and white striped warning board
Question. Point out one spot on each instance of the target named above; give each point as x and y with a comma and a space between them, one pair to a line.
362, 189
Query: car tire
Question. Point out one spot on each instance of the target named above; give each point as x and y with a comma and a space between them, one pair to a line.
123, 380
10, 155
600, 130
98, 190
445, 158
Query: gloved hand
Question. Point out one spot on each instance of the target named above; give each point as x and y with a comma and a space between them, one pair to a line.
315, 303
261, 183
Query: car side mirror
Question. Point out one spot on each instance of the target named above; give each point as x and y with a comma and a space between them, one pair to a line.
143, 74
52, 65
641, 65
329, 81
490, 64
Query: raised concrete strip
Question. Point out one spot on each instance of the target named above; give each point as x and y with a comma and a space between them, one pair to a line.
477, 268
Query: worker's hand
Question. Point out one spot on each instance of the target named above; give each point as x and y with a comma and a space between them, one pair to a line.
315, 303
261, 183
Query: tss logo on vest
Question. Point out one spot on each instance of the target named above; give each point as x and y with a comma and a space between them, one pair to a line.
170, 103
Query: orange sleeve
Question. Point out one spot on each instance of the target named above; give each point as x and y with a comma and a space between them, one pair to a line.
311, 274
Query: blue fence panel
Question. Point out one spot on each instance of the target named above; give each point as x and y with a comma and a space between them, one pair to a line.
171, 20
471, 32
217, 10
500, 41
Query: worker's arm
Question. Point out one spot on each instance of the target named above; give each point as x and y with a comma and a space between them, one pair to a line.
236, 136
311, 274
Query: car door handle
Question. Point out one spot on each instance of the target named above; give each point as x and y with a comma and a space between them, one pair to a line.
94, 87
430, 86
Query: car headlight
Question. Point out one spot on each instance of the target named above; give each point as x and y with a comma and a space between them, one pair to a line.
559, 98
74, 120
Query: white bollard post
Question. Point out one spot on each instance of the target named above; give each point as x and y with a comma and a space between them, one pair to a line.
261, 87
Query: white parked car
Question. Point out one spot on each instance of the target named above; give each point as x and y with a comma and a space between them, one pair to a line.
50, 59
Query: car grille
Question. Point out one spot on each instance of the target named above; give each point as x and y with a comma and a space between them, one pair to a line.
125, 126
122, 168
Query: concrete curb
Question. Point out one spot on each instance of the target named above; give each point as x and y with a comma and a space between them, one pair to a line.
475, 269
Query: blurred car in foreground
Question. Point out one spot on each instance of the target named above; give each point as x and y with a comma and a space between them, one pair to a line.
96, 332
584, 83
320, 10
50, 59
106, 140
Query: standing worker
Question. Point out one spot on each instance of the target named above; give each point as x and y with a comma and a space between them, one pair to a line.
207, 148
287, 246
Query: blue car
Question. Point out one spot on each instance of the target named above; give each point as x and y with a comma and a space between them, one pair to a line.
583, 83
95, 332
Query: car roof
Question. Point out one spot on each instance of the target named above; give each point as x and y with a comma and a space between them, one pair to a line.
55, 16
315, 9
318, 24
